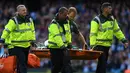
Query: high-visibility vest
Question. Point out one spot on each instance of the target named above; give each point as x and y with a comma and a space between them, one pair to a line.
102, 33
57, 38
19, 34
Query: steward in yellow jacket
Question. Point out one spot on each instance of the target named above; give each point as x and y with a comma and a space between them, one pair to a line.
58, 40
103, 28
18, 34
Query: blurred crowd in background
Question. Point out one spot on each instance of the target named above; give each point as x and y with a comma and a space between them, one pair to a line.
119, 56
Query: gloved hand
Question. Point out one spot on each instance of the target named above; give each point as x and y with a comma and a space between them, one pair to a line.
32, 43
69, 46
63, 47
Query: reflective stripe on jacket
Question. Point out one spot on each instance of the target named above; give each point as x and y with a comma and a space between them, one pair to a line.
56, 37
19, 34
102, 33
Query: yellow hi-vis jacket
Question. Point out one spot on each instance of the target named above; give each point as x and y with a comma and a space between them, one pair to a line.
57, 38
8, 42
102, 32
19, 34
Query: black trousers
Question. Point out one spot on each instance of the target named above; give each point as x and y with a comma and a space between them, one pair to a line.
60, 59
22, 58
102, 60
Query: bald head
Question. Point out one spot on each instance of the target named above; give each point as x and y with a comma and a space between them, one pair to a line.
72, 13
22, 10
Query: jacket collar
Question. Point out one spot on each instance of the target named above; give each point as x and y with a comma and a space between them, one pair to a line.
106, 18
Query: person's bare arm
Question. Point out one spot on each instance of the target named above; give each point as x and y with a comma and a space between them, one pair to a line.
85, 46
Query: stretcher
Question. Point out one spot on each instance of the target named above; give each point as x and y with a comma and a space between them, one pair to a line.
75, 54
